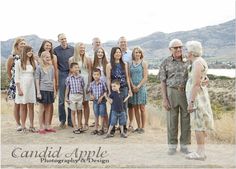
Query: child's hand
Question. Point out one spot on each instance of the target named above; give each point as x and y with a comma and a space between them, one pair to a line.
109, 100
55, 95
67, 101
92, 97
100, 99
39, 96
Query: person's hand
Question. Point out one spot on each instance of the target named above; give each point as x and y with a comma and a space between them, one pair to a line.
166, 104
205, 82
20, 93
100, 99
191, 108
135, 89
130, 93
39, 96
67, 101
92, 97
55, 95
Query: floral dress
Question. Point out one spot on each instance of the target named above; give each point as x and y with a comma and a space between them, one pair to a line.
136, 75
202, 117
11, 93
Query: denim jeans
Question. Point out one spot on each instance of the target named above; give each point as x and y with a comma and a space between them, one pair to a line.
99, 109
124, 92
61, 103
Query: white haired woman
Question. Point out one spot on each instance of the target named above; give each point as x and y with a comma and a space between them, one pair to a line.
198, 98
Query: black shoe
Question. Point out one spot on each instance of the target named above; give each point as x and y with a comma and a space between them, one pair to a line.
62, 125
184, 150
171, 151
113, 130
70, 125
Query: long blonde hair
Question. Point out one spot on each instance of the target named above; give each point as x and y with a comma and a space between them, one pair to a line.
77, 57
16, 43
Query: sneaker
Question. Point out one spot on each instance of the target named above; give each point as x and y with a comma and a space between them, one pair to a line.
123, 135
137, 130
18, 127
109, 135
184, 150
171, 151
33, 130
141, 131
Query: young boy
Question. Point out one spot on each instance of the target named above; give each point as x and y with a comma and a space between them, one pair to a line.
74, 95
117, 109
98, 91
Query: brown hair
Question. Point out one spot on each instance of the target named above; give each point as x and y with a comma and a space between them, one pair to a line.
24, 58
104, 60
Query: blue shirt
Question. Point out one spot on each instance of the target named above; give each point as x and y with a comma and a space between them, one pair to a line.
127, 56
117, 101
63, 56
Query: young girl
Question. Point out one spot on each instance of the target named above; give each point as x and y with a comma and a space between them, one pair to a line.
138, 78
11, 62
47, 46
25, 86
45, 84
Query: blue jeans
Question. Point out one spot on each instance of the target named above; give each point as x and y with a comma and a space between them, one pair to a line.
118, 116
124, 92
61, 104
99, 109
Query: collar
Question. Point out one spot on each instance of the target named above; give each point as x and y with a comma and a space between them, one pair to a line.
75, 76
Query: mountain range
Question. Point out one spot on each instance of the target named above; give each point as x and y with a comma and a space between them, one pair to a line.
218, 42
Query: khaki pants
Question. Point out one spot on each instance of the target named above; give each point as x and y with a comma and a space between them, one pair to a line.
178, 104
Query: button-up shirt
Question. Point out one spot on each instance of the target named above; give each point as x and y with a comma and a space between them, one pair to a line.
75, 84
173, 72
97, 89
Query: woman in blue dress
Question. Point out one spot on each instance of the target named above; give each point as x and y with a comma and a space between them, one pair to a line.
138, 78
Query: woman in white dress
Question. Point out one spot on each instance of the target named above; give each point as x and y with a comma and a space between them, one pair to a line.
25, 86
85, 65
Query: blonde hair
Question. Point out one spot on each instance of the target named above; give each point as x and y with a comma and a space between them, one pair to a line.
139, 50
77, 57
16, 43
41, 62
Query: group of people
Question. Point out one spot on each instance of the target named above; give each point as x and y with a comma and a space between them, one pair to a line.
120, 80
77, 78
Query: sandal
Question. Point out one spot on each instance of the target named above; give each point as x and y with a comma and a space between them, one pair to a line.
94, 132
86, 127
24, 130
78, 131
33, 130
195, 156
101, 132
131, 128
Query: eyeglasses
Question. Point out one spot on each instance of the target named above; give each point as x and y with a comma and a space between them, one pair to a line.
177, 47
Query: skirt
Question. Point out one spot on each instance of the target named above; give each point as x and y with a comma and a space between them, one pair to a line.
47, 97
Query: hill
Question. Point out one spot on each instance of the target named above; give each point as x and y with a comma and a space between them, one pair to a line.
218, 42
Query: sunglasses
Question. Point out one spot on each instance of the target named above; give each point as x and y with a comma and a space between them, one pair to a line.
177, 47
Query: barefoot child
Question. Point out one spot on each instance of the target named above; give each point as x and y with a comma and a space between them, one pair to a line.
74, 95
117, 109
46, 93
98, 91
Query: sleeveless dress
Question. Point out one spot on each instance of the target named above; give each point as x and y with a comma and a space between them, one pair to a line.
11, 93
118, 73
202, 117
27, 84
136, 75
84, 72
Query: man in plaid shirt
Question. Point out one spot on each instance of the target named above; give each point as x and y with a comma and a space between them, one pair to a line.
98, 91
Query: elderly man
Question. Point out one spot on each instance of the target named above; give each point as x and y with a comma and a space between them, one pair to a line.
173, 75
63, 53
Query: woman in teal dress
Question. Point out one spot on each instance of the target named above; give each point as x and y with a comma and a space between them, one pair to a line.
198, 99
138, 76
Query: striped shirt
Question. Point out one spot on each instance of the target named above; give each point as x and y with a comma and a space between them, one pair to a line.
75, 84
97, 89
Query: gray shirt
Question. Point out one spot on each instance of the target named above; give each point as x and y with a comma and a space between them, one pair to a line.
174, 72
45, 79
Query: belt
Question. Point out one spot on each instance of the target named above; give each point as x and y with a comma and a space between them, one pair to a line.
179, 88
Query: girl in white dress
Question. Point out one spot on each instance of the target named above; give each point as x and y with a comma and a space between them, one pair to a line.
25, 86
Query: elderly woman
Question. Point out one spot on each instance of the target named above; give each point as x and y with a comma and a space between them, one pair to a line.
198, 98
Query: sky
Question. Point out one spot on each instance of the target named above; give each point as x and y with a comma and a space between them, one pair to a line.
81, 20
